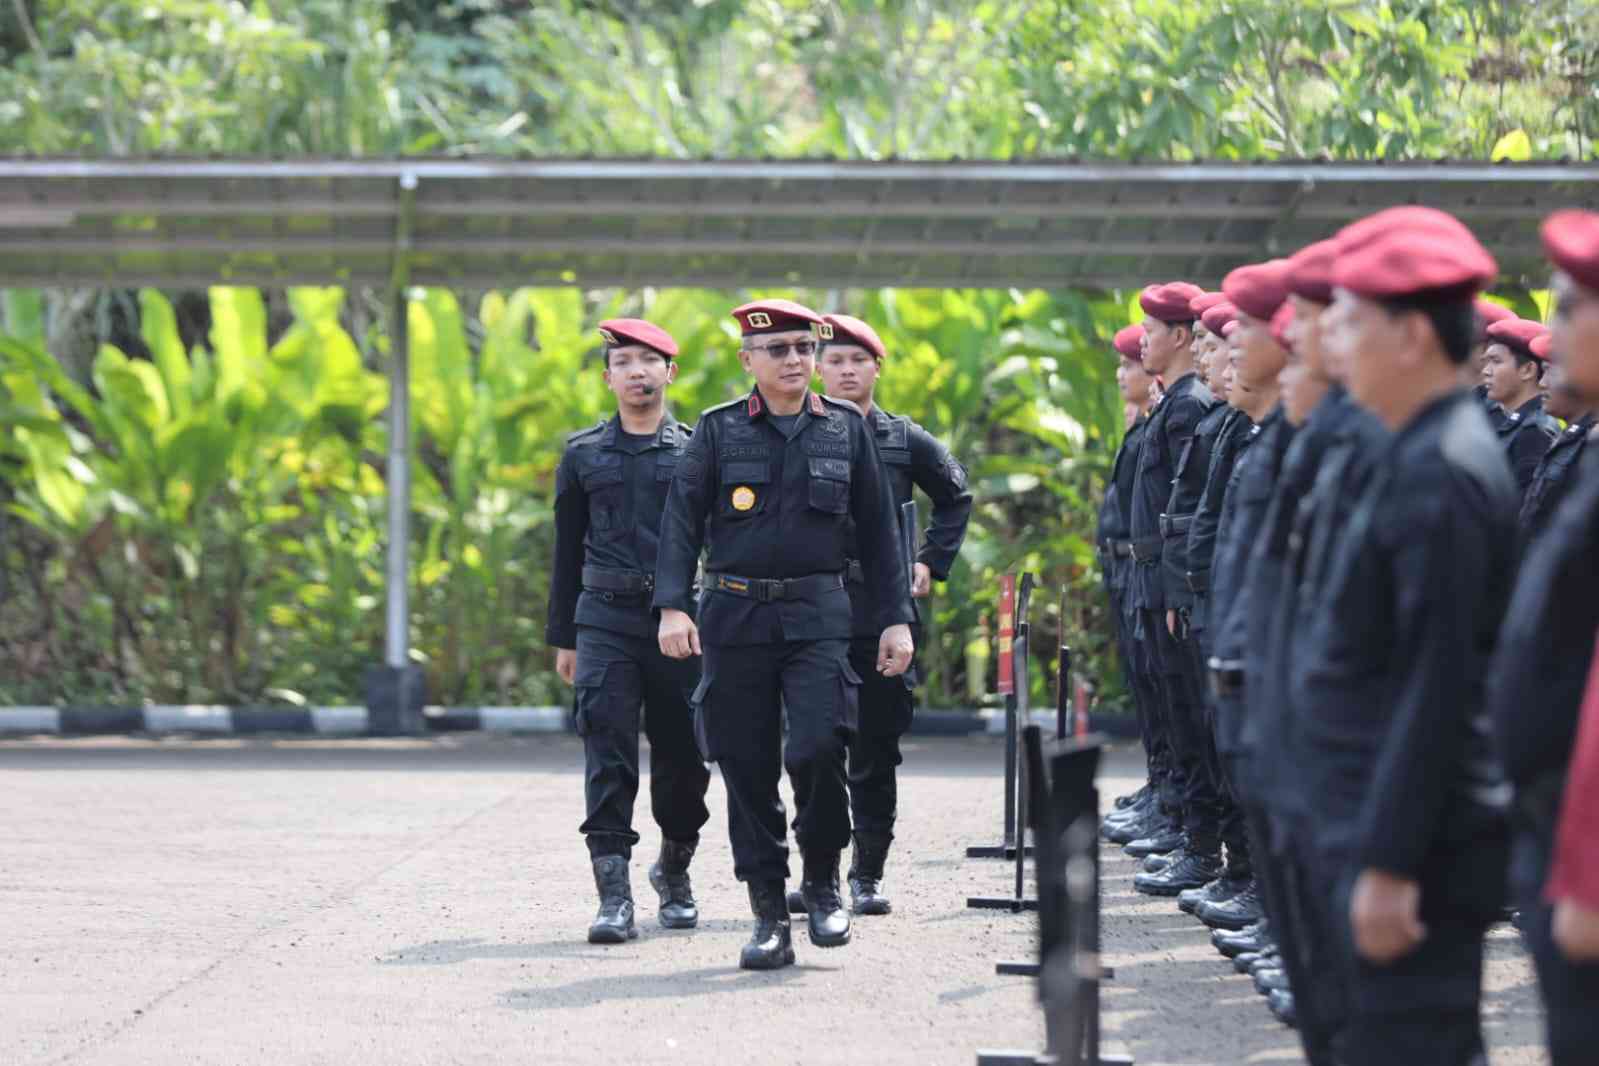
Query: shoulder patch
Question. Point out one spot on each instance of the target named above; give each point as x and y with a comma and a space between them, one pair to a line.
723, 406
594, 430
848, 405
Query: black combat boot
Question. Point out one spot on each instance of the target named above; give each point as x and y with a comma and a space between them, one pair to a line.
866, 874
828, 920
1243, 909
1131, 798
1161, 839
614, 923
1218, 891
1199, 866
669, 878
1154, 864
1231, 944
771, 946
1249, 960
1149, 822
1281, 1003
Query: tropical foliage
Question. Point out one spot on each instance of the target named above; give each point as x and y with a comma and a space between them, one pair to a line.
192, 482
206, 525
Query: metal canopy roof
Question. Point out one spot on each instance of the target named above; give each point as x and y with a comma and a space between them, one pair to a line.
488, 223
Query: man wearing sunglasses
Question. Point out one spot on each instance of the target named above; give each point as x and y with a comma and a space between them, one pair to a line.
771, 487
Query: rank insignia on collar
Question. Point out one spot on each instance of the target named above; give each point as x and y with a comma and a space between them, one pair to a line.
759, 320
743, 498
818, 408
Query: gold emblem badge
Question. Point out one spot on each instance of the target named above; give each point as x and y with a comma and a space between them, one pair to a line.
759, 320
743, 498
825, 331
607, 336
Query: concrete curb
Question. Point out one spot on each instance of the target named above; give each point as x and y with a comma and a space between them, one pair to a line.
345, 721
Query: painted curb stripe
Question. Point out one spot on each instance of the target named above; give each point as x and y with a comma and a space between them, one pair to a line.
191, 719
85, 721
30, 720
251, 720
523, 719
339, 721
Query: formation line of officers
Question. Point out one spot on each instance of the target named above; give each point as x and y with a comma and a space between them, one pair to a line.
712, 585
1351, 545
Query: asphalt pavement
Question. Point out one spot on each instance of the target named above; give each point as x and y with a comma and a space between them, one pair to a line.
281, 902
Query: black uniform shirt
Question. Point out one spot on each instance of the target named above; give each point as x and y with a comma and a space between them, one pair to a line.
914, 458
1234, 435
1527, 433
1116, 510
1546, 646
610, 488
1168, 442
1187, 496
1496, 414
1324, 466
1553, 477
1244, 506
765, 505
1395, 741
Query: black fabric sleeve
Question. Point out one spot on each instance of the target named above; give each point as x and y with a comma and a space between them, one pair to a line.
566, 573
871, 503
939, 474
688, 503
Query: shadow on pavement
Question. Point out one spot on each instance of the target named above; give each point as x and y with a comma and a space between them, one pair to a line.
707, 981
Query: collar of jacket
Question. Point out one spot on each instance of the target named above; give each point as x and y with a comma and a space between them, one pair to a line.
665, 433
755, 406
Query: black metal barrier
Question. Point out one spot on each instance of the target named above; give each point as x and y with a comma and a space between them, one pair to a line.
1064, 814
1016, 708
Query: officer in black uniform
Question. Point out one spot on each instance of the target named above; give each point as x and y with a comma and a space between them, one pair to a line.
771, 486
1322, 467
1130, 820
1167, 447
1545, 648
1512, 372
609, 490
1556, 470
1407, 824
851, 359
1257, 357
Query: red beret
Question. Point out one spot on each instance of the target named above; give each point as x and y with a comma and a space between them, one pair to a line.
1171, 302
1217, 317
1280, 321
1204, 302
1541, 345
617, 332
1489, 312
1258, 289
1571, 240
1411, 218
1408, 262
1517, 333
774, 316
1310, 271
1130, 341
847, 329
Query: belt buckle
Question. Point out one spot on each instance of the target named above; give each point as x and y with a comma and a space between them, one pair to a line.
763, 590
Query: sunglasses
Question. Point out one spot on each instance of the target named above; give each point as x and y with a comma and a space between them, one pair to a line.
780, 349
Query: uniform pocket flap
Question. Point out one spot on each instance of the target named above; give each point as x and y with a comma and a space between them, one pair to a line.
746, 473
590, 674
896, 456
596, 477
831, 469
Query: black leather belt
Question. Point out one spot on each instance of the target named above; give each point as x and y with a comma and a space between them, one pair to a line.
1226, 677
767, 589
1198, 581
601, 579
853, 572
1145, 550
1173, 524
1121, 549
